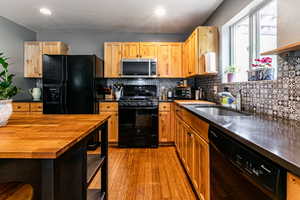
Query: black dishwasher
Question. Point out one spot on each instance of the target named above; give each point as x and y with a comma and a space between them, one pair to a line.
239, 173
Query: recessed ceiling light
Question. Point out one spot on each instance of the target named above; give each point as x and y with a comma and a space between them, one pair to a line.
45, 11
160, 11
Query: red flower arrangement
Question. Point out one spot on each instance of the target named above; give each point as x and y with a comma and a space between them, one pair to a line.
264, 62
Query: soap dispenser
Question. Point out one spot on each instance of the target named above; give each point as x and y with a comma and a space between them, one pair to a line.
226, 98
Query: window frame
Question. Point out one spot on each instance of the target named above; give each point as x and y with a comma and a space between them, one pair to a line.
254, 33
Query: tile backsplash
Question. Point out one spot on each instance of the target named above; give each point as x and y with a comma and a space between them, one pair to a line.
280, 98
166, 83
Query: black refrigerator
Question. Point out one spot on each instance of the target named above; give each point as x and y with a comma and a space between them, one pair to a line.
69, 84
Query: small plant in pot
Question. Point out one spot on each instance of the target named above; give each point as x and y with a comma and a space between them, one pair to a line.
7, 91
231, 71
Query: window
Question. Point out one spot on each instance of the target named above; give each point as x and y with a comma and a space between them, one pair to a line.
252, 34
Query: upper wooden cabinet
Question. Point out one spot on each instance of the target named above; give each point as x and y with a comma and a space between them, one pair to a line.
168, 55
112, 57
169, 60
130, 50
54, 48
33, 52
148, 50
139, 50
204, 39
33, 55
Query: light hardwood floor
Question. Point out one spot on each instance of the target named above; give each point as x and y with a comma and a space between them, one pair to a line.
146, 174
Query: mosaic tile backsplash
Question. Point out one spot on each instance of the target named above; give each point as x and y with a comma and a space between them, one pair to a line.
280, 98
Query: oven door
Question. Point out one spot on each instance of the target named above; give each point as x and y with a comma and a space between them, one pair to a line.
138, 127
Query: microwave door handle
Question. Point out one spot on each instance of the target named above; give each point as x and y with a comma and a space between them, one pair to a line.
149, 65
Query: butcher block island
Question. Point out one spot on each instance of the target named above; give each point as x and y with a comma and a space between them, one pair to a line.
49, 152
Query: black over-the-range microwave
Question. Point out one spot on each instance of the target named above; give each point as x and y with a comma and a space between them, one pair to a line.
139, 67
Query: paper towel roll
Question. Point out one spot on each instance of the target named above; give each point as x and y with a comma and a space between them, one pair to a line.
210, 62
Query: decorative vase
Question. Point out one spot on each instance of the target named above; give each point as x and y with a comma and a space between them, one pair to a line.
36, 93
5, 111
230, 77
261, 74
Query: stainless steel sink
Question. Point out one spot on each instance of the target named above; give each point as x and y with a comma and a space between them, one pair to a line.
218, 110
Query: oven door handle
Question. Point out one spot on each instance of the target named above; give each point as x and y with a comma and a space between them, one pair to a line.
138, 108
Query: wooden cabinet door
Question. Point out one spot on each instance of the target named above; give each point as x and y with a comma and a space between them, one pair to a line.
189, 150
176, 60
54, 48
201, 167
176, 133
130, 50
36, 107
293, 187
163, 60
164, 126
113, 127
185, 59
148, 50
33, 59
208, 42
192, 53
112, 59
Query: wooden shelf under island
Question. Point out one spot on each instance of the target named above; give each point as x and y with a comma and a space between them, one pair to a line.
49, 152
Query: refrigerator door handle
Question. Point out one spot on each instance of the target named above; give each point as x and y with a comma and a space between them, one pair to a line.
65, 98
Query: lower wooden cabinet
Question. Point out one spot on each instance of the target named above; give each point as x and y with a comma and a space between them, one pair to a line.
293, 187
164, 127
201, 167
166, 130
27, 107
113, 122
193, 150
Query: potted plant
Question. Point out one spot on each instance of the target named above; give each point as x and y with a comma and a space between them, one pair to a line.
261, 70
7, 91
231, 71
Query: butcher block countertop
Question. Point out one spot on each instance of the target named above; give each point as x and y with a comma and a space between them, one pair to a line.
38, 136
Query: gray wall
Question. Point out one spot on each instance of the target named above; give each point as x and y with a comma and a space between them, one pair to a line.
227, 10
89, 42
12, 37
288, 18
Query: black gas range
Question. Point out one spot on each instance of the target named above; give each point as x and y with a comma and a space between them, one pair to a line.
138, 116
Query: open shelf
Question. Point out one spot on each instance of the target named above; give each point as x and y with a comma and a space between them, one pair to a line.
284, 49
94, 163
95, 183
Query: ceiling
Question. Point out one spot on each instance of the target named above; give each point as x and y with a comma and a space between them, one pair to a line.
110, 15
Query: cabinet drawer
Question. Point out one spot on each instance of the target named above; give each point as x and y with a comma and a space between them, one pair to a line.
108, 107
165, 107
21, 107
36, 107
